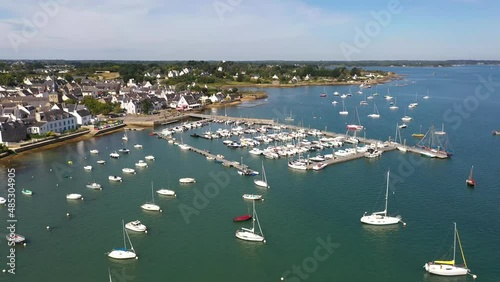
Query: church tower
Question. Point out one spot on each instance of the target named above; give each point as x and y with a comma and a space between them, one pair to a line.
54, 95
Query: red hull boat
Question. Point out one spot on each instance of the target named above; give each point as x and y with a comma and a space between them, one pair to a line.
470, 181
242, 218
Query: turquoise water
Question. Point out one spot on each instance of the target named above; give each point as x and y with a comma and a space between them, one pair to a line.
300, 209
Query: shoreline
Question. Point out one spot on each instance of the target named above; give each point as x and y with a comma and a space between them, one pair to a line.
84, 137
390, 77
149, 122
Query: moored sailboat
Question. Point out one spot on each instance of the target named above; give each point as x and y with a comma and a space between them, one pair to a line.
250, 234
449, 267
151, 206
263, 181
470, 181
381, 218
124, 253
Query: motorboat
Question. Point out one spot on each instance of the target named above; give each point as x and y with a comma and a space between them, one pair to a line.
87, 167
149, 158
115, 178
141, 164
373, 153
2, 201
138, 146
16, 238
124, 151
114, 155
27, 192
252, 197
319, 166
94, 151
187, 180
74, 196
128, 170
94, 185
101, 162
136, 226
166, 192
318, 158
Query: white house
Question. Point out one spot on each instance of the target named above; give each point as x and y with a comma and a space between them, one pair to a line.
83, 117
275, 77
57, 121
130, 106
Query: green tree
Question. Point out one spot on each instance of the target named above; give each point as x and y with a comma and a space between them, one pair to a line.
146, 106
68, 77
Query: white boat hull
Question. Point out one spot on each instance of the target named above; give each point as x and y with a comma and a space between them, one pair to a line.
95, 186
166, 192
249, 236
445, 270
380, 219
128, 170
151, 207
115, 178
187, 180
122, 254
261, 183
136, 226
252, 197
73, 196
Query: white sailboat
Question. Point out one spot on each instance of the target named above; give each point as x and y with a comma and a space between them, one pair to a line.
449, 267
344, 112
289, 118
124, 253
440, 132
125, 137
406, 118
263, 181
375, 114
151, 206
426, 96
381, 218
250, 234
393, 107
414, 104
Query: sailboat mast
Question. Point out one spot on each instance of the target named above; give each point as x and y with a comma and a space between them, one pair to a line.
470, 175
152, 194
454, 241
386, 193
123, 229
254, 217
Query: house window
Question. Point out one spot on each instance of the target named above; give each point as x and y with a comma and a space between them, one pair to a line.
64, 122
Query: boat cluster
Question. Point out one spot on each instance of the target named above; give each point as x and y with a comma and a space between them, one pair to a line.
183, 127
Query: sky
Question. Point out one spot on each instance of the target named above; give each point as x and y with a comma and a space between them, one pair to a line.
249, 29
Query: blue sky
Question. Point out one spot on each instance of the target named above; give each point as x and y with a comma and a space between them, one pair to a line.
249, 29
